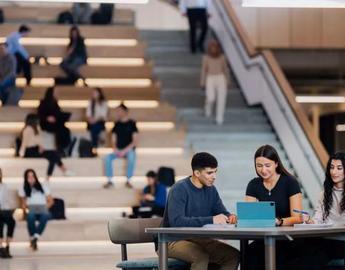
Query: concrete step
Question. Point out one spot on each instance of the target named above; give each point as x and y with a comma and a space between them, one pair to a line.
259, 137
204, 127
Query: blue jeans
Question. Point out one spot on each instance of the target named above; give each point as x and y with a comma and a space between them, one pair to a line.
42, 219
4, 88
95, 130
108, 160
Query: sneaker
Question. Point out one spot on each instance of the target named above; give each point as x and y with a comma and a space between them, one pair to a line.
128, 185
7, 253
108, 185
69, 173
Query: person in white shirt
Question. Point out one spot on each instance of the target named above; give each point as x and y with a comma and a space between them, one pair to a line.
21, 54
96, 114
36, 201
196, 11
330, 209
6, 218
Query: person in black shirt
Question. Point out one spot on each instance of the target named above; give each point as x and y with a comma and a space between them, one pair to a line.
274, 183
125, 140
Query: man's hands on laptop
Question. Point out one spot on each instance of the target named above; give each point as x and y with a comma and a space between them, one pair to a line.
223, 219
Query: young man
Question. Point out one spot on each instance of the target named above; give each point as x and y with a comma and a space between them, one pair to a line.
194, 202
7, 72
196, 11
16, 49
125, 141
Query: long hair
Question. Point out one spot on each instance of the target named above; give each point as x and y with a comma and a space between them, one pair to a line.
27, 186
49, 98
79, 37
101, 99
32, 121
269, 152
328, 186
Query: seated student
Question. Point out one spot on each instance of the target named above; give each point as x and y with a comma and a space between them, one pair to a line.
97, 114
7, 72
194, 202
125, 141
76, 55
154, 195
274, 183
37, 200
330, 209
6, 218
53, 119
32, 146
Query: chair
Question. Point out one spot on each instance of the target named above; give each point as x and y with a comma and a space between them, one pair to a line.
132, 231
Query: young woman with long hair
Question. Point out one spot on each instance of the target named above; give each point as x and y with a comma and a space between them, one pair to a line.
274, 183
36, 201
96, 114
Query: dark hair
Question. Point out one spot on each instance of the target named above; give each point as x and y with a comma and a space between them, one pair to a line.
151, 174
203, 160
71, 30
32, 121
328, 186
123, 107
269, 152
27, 187
214, 44
101, 99
49, 97
24, 28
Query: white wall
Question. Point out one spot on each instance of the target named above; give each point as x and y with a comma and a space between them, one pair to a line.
157, 15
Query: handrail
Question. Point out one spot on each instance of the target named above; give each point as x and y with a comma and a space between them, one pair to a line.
283, 83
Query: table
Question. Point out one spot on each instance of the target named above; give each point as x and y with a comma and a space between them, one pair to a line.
269, 235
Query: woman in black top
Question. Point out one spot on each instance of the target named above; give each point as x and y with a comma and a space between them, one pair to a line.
274, 183
76, 55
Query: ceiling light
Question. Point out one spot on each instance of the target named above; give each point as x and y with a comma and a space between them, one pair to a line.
320, 99
294, 3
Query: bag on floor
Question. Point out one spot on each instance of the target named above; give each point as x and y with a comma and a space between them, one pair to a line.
85, 148
2, 17
14, 96
166, 176
65, 17
58, 209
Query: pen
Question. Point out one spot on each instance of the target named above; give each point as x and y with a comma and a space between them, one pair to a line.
300, 212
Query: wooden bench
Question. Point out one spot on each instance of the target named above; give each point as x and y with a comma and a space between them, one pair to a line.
62, 31
140, 72
50, 14
137, 51
84, 93
132, 231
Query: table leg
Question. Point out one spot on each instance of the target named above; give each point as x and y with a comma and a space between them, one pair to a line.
270, 253
163, 255
243, 248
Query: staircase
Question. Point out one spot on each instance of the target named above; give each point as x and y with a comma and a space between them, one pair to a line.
245, 128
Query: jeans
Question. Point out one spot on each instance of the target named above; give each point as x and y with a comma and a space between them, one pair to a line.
42, 219
71, 65
6, 218
4, 87
95, 131
24, 65
197, 17
108, 160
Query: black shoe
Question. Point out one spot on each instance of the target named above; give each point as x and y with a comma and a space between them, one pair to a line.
33, 243
2, 252
7, 253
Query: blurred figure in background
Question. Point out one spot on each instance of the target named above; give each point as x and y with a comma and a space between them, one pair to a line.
6, 218
125, 136
96, 114
7, 72
21, 54
36, 200
215, 77
76, 55
81, 13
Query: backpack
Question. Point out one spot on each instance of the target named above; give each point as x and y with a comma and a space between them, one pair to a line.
58, 209
65, 17
85, 148
166, 176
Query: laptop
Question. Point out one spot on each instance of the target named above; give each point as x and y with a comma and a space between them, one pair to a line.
256, 214
38, 208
